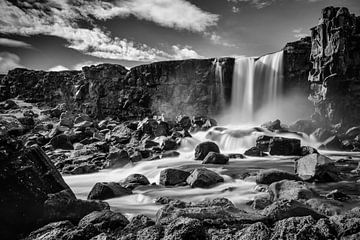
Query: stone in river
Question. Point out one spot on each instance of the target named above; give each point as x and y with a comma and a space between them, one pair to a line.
172, 177
202, 149
255, 152
269, 176
104, 220
202, 177
287, 189
106, 190
215, 158
135, 180
284, 146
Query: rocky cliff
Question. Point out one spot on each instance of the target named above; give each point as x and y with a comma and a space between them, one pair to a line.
335, 73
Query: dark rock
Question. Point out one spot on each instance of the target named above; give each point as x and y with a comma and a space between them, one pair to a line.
316, 167
215, 158
352, 132
135, 180
86, 232
137, 223
306, 150
269, 176
101, 191
10, 125
80, 169
67, 119
291, 190
185, 228
150, 233
104, 221
117, 158
322, 134
332, 143
258, 231
306, 126
171, 176
288, 208
55, 230
337, 195
163, 200
346, 225
325, 206
255, 152
61, 141
184, 122
202, 177
272, 126
263, 142
168, 144
261, 202
284, 146
202, 149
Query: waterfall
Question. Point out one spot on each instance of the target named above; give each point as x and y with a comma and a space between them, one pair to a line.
256, 83
219, 77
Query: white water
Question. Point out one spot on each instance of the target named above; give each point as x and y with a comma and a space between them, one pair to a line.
219, 78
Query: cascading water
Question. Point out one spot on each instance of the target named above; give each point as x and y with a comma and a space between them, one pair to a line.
219, 78
256, 83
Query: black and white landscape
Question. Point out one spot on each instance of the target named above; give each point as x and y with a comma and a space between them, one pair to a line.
181, 119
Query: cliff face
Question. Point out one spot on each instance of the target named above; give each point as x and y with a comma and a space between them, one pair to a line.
335, 73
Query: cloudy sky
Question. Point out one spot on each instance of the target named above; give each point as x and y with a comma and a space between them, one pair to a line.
67, 34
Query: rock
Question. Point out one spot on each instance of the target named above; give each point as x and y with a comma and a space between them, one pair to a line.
61, 141
322, 134
87, 232
135, 180
261, 202
346, 225
286, 208
55, 230
185, 228
137, 223
272, 126
337, 195
168, 144
306, 150
262, 143
121, 134
104, 221
106, 190
284, 146
103, 236
10, 125
163, 200
172, 177
303, 228
202, 177
332, 143
215, 158
316, 167
306, 126
150, 233
269, 176
67, 119
80, 169
325, 206
255, 152
117, 158
202, 149
184, 122
258, 231
291, 190
83, 125
352, 132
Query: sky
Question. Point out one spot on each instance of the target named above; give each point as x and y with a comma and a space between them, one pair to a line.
68, 34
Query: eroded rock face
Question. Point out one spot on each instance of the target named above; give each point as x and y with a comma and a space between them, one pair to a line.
335, 74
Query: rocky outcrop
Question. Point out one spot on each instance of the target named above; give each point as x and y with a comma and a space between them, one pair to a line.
335, 73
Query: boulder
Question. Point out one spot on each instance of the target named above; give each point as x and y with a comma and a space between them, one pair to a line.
352, 132
137, 223
105, 220
185, 228
322, 134
184, 122
54, 230
117, 158
106, 190
202, 149
67, 119
291, 190
61, 141
262, 143
150, 233
269, 176
168, 144
255, 152
135, 180
303, 125
215, 158
332, 143
202, 177
10, 125
326, 207
272, 125
284, 146
317, 167
83, 168
258, 231
338, 195
171, 176
306, 150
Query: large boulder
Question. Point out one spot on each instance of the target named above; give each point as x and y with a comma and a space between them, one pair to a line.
202, 177
258, 231
254, 152
185, 228
117, 158
135, 180
202, 149
317, 167
105, 220
215, 158
284, 146
269, 176
10, 125
292, 190
106, 190
61, 141
171, 176
54, 230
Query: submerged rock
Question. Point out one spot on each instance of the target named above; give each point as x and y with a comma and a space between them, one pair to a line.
202, 149
317, 167
202, 177
215, 158
106, 190
172, 177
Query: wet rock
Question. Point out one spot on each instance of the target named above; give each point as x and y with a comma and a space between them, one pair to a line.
120, 134
202, 177
67, 119
61, 141
163, 200
10, 125
150, 233
303, 228
83, 125
117, 158
258, 231
352, 132
184, 122
255, 152
55, 230
316, 167
306, 126
332, 143
137, 223
135, 180
337, 195
322, 134
103, 236
291, 190
106, 190
346, 225
325, 206
215, 158
272, 125
261, 202
284, 146
269, 176
172, 177
86, 232
202, 149
104, 221
236, 156
185, 228
288, 208
306, 150
262, 143
84, 168
168, 144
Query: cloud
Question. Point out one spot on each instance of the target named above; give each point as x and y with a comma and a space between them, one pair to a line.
60, 19
256, 3
13, 43
184, 53
58, 68
298, 33
218, 40
8, 61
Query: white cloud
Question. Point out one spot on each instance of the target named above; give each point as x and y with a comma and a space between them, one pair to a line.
13, 43
256, 3
59, 18
58, 68
8, 61
185, 52
298, 33
218, 40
